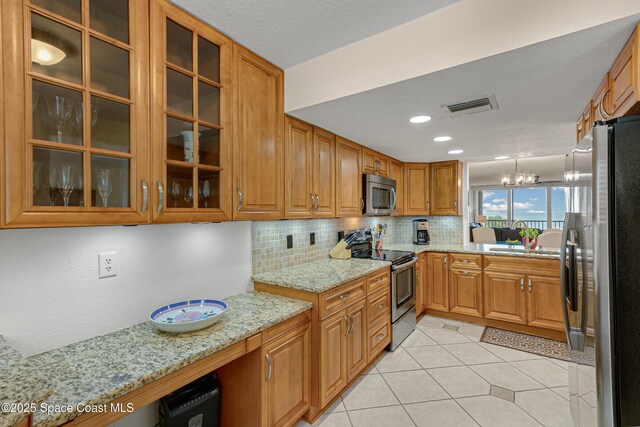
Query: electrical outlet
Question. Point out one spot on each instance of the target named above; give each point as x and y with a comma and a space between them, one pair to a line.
107, 265
289, 241
312, 238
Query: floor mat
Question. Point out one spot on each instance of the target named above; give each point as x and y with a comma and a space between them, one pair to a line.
536, 345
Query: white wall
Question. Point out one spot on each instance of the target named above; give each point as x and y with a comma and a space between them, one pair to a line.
50, 294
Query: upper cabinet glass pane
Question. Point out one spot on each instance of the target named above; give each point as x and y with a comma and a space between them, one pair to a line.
208, 103
179, 45
56, 50
208, 60
179, 93
109, 68
110, 17
57, 114
110, 125
70, 9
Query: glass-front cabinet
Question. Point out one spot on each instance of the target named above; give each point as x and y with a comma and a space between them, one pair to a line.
191, 158
76, 112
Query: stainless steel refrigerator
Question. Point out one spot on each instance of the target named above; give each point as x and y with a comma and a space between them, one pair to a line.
600, 287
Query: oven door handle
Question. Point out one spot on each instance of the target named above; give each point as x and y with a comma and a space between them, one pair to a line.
405, 266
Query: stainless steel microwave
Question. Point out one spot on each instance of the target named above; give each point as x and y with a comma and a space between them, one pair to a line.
379, 195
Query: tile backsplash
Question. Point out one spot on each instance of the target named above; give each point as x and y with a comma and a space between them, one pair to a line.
269, 238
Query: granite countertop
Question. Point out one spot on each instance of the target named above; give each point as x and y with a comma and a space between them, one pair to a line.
321, 276
472, 248
20, 384
103, 368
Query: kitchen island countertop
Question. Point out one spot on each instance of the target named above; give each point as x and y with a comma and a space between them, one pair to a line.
471, 248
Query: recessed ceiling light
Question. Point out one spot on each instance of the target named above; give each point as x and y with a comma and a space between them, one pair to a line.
442, 138
456, 151
420, 119
501, 158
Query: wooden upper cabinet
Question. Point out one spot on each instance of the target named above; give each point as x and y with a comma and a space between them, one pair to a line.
416, 189
298, 168
75, 113
349, 200
624, 75
396, 172
437, 285
446, 188
286, 369
602, 101
258, 146
191, 111
324, 173
374, 162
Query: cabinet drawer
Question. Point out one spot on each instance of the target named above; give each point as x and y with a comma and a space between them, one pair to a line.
336, 299
379, 306
512, 264
379, 337
465, 261
378, 280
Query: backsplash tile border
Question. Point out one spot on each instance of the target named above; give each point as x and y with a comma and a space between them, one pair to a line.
269, 238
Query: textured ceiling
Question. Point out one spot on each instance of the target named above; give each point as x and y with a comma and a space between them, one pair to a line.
541, 90
291, 32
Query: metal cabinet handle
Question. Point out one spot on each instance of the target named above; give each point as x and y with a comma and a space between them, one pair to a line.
521, 284
312, 202
530, 286
380, 306
362, 201
347, 322
269, 367
428, 206
239, 199
379, 338
455, 203
317, 202
466, 273
465, 261
345, 296
350, 327
145, 196
445, 262
160, 197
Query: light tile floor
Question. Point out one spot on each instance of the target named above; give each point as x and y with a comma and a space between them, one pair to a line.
443, 376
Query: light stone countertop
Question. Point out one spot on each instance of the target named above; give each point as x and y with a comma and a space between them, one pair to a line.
472, 248
20, 383
100, 369
321, 276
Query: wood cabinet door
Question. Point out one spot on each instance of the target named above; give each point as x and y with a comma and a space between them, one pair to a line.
369, 164
466, 291
191, 114
299, 198
334, 374
258, 155
623, 72
416, 189
421, 281
383, 165
504, 297
286, 367
601, 101
396, 171
324, 175
544, 308
437, 295
349, 200
75, 127
446, 185
357, 338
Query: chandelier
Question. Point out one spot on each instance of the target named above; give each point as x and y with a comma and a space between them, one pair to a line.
519, 179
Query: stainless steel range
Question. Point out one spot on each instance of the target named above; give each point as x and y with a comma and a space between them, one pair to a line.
403, 283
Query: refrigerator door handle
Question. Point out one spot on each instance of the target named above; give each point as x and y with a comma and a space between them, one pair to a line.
563, 275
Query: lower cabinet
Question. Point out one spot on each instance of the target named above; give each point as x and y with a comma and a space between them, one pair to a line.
543, 309
421, 271
357, 338
465, 291
334, 374
286, 394
504, 297
437, 295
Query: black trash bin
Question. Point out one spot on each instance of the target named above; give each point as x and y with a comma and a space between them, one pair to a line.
195, 405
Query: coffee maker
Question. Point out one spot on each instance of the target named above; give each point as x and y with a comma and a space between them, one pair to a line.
420, 232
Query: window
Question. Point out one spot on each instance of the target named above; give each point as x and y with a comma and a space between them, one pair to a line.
495, 207
539, 207
559, 197
530, 206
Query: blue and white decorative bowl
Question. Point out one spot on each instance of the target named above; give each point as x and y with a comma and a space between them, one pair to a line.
188, 316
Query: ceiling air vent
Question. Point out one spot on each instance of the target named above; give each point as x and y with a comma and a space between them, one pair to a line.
471, 107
